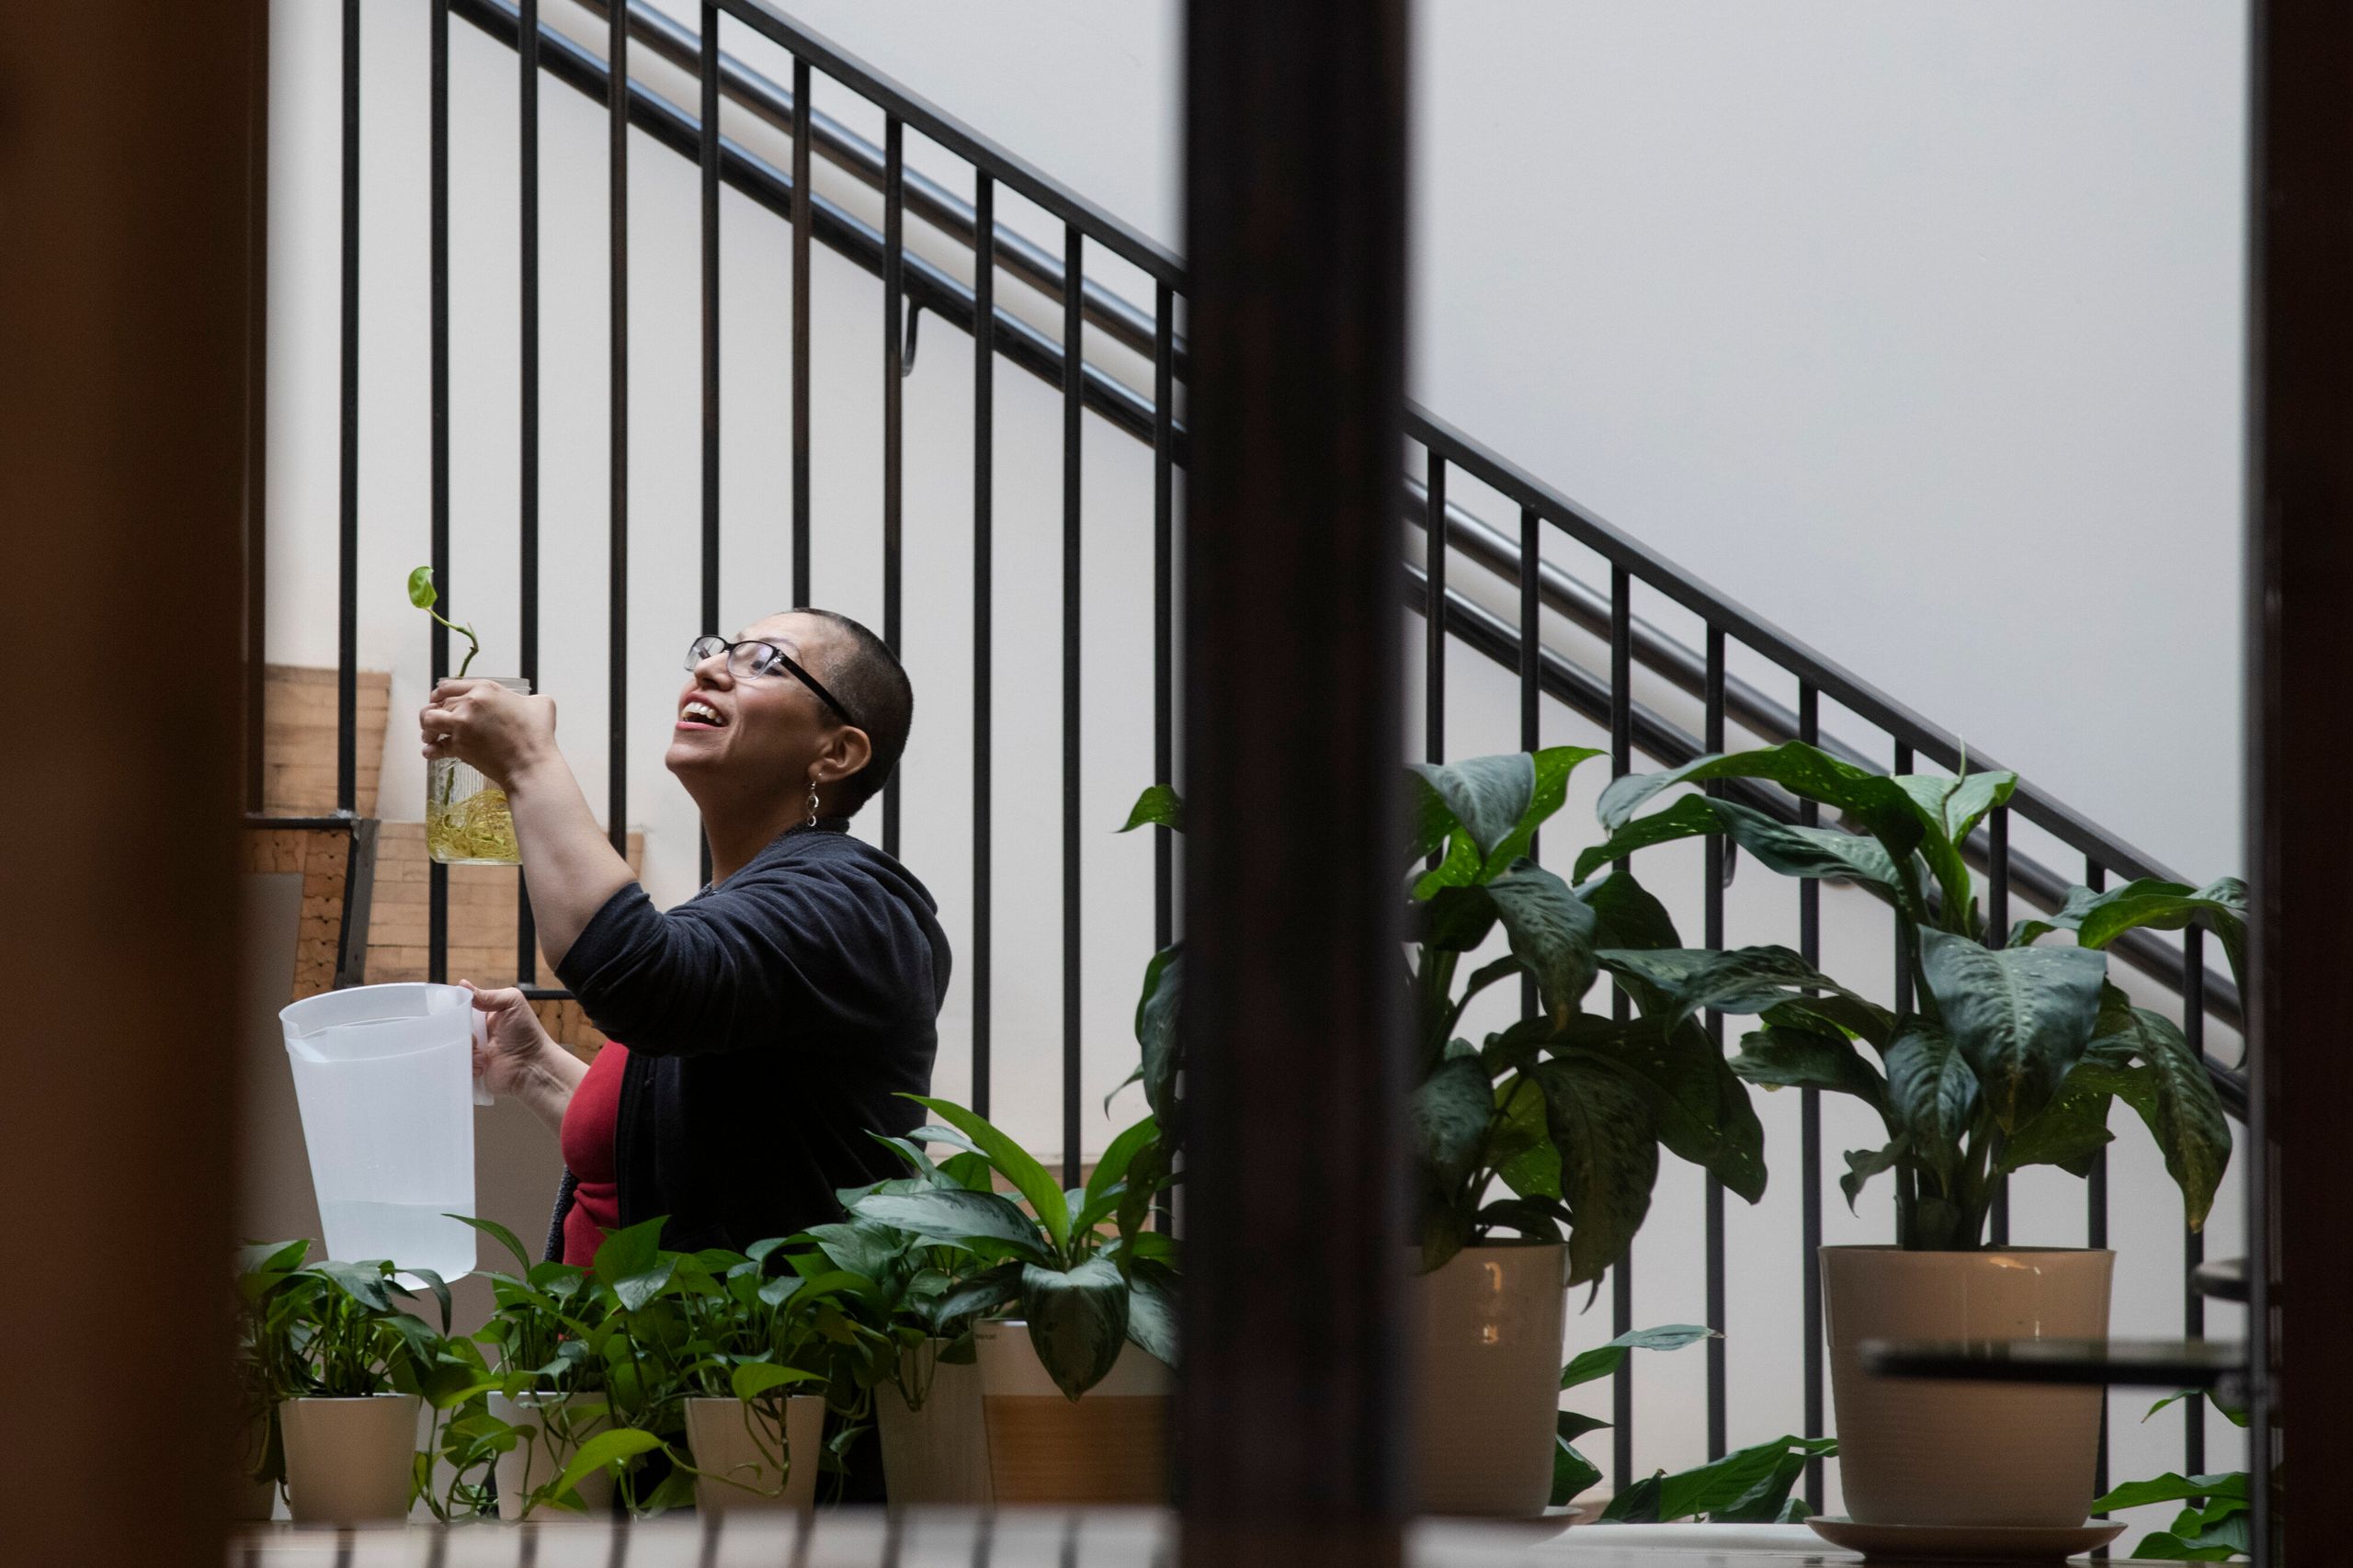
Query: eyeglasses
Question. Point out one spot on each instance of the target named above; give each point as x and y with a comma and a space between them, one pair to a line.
760, 661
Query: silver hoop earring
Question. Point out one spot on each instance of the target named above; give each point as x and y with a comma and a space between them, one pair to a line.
812, 803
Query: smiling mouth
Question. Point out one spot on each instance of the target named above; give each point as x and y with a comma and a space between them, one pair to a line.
701, 715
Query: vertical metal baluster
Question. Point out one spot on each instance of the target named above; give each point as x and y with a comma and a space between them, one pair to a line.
799, 332
709, 150
437, 897
895, 261
1904, 1181
983, 590
527, 54
1074, 381
2096, 1228
346, 710
617, 570
1163, 596
1433, 614
2193, 1242
1531, 669
1810, 1127
1997, 920
1622, 762
1712, 915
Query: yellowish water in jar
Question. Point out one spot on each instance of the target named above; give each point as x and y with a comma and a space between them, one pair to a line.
478, 828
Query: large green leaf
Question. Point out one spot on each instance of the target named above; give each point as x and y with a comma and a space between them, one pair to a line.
1013, 1162
1152, 1309
1603, 1360
2172, 1487
1787, 1056
2183, 1113
1744, 980
1932, 1096
1572, 1472
605, 1450
633, 1263
1450, 1113
1164, 989
751, 1380
2021, 1017
1704, 1114
1499, 801
958, 1219
1875, 800
1793, 851
2071, 1130
1158, 806
1078, 1319
1691, 817
1606, 1131
2098, 918
1864, 1164
1521, 1149
1112, 1168
1949, 808
1550, 930
1459, 918
1625, 914
500, 1234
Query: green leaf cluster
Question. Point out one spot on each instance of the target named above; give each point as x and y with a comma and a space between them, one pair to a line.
1079, 1265
1566, 1110
2011, 1054
1572, 1472
425, 595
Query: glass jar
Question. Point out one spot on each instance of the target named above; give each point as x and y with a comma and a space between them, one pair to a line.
466, 819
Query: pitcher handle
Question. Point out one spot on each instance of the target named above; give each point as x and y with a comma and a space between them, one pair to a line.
479, 1026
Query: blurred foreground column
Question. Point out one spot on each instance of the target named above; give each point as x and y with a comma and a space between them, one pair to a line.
123, 182
1292, 1423
2300, 713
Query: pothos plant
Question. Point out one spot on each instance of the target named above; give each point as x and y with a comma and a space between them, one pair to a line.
2011, 1052
1566, 1109
425, 595
1080, 1266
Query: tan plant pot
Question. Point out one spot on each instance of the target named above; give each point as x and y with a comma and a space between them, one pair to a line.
1109, 1446
1918, 1453
737, 1451
350, 1461
1487, 1381
936, 1451
547, 1447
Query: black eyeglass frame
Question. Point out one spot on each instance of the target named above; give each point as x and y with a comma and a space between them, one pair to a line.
710, 644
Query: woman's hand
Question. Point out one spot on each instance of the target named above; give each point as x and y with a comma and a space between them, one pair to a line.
496, 731
520, 1062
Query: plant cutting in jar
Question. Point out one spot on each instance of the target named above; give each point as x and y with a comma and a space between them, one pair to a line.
466, 819
1566, 1110
1084, 1292
425, 595
2012, 1052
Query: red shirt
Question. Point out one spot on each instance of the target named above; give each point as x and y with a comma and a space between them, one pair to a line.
589, 1124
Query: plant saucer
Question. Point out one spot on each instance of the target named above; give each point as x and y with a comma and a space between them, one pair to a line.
1966, 1543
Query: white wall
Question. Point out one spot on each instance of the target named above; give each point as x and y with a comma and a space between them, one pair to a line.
1879, 319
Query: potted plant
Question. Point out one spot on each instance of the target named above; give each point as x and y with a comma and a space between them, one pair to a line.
345, 1366
466, 819
1536, 1150
1075, 1383
922, 1372
2011, 1054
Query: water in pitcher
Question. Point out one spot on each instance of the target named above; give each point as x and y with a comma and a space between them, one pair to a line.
414, 1236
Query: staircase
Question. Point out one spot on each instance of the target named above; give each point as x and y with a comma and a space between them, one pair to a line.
1581, 661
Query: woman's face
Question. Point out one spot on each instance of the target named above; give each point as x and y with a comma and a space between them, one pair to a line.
767, 734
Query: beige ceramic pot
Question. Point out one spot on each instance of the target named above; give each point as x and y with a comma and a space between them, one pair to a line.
736, 1449
1109, 1446
1923, 1452
553, 1431
1487, 1381
935, 1450
350, 1461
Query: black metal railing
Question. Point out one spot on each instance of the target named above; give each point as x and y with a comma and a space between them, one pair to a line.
913, 283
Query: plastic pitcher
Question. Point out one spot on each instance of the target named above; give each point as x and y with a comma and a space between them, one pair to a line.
384, 1076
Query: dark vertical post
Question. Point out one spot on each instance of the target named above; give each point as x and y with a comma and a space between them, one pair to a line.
706, 62
1904, 1179
1290, 1436
1164, 605
1531, 660
800, 332
2096, 1223
1810, 1127
1712, 918
2193, 1242
617, 653
1622, 762
437, 896
894, 262
1433, 614
1997, 919
347, 663
2299, 579
983, 566
1073, 383
256, 388
527, 56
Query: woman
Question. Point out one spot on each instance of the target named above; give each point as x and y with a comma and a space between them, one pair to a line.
772, 1021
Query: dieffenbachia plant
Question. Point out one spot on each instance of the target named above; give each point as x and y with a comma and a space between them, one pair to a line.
2012, 1051
1551, 1127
